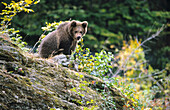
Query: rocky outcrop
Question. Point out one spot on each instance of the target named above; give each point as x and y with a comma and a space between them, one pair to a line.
28, 83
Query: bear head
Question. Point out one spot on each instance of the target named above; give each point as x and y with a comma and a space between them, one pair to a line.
77, 29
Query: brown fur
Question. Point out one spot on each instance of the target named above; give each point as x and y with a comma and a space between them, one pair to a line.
63, 39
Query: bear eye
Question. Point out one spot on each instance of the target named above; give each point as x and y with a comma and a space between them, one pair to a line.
75, 31
81, 32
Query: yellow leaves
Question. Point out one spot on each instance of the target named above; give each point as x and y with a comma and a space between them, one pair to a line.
31, 1
28, 1
84, 54
132, 61
43, 36
74, 89
147, 109
150, 70
28, 10
131, 58
137, 51
88, 65
51, 26
80, 67
136, 96
13, 8
142, 68
128, 79
36, 2
132, 99
88, 102
77, 74
4, 3
16, 31
129, 73
81, 76
124, 43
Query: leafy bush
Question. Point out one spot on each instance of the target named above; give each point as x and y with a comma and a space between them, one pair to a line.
98, 64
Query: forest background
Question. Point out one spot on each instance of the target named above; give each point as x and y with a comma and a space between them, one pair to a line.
110, 22
116, 26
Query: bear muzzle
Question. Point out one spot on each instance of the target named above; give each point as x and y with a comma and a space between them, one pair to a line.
78, 37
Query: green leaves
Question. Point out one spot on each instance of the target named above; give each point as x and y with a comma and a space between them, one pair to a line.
150, 69
99, 64
18, 41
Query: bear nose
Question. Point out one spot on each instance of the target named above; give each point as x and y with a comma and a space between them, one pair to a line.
78, 37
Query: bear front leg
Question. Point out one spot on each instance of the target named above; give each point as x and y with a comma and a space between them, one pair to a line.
73, 46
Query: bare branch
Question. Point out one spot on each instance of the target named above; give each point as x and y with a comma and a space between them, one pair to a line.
156, 83
148, 39
37, 42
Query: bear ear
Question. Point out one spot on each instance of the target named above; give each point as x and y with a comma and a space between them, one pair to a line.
84, 24
73, 23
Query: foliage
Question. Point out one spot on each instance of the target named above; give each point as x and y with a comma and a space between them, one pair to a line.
138, 74
97, 64
81, 90
128, 70
17, 40
113, 22
7, 15
12, 9
130, 73
131, 59
49, 27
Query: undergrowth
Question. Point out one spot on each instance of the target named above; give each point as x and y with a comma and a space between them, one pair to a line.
128, 70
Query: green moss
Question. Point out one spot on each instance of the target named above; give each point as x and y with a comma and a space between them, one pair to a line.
44, 84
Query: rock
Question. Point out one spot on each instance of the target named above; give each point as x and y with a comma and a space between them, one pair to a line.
62, 59
29, 83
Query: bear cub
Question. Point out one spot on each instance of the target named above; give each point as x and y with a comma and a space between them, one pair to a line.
64, 39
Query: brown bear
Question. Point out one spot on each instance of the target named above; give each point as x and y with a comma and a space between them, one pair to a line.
63, 39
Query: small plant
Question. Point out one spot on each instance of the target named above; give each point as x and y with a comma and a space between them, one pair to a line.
98, 64
18, 41
81, 91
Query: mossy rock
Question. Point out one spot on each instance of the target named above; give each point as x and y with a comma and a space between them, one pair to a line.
28, 83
